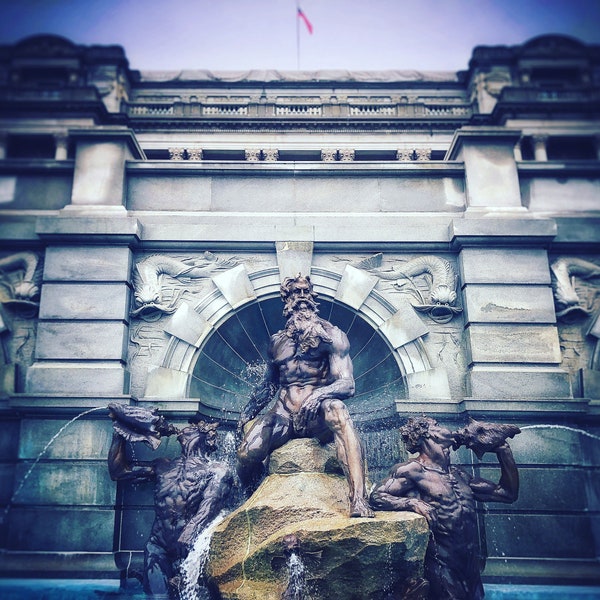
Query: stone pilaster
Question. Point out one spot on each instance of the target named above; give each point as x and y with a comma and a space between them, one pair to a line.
510, 325
81, 346
491, 175
100, 158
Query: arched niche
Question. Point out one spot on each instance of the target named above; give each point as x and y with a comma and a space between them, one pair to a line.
220, 368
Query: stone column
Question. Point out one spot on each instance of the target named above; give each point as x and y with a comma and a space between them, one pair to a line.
492, 180
539, 147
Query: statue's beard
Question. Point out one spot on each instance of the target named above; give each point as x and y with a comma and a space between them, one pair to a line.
306, 329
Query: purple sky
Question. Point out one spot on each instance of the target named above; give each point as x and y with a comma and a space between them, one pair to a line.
261, 34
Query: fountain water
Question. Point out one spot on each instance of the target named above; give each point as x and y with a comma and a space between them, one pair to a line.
192, 568
564, 427
41, 454
296, 589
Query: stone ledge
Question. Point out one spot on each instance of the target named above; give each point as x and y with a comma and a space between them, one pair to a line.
91, 228
501, 231
55, 564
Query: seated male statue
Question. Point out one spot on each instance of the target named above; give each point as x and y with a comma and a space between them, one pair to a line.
189, 491
445, 495
309, 374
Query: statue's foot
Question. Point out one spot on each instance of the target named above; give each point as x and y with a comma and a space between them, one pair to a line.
359, 507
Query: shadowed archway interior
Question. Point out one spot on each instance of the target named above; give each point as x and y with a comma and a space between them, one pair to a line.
232, 361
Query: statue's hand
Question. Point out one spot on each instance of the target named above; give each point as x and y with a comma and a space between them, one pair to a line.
425, 510
307, 412
310, 408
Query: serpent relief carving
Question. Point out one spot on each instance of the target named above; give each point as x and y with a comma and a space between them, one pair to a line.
148, 280
440, 279
564, 271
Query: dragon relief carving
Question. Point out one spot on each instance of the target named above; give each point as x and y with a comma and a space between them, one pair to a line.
19, 285
152, 297
564, 273
438, 275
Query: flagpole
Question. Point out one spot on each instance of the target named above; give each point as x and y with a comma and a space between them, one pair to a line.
297, 36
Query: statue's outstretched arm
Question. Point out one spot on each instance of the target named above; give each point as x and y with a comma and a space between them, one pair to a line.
507, 489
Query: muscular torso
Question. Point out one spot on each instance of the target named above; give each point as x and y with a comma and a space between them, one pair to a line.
178, 492
449, 493
299, 374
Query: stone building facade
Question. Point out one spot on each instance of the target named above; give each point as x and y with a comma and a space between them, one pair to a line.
449, 222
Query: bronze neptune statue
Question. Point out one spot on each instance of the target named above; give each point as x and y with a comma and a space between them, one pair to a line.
445, 495
309, 374
189, 490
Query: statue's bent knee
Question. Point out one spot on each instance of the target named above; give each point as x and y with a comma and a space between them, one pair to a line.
336, 412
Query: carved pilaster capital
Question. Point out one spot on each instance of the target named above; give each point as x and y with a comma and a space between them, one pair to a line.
347, 155
328, 155
404, 154
176, 153
423, 153
194, 153
270, 155
252, 154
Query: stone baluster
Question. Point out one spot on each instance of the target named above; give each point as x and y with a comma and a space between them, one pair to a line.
539, 147
61, 150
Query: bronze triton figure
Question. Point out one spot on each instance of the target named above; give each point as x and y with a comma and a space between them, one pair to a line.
189, 490
310, 374
445, 495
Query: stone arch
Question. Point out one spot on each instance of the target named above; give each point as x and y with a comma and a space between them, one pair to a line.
192, 327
